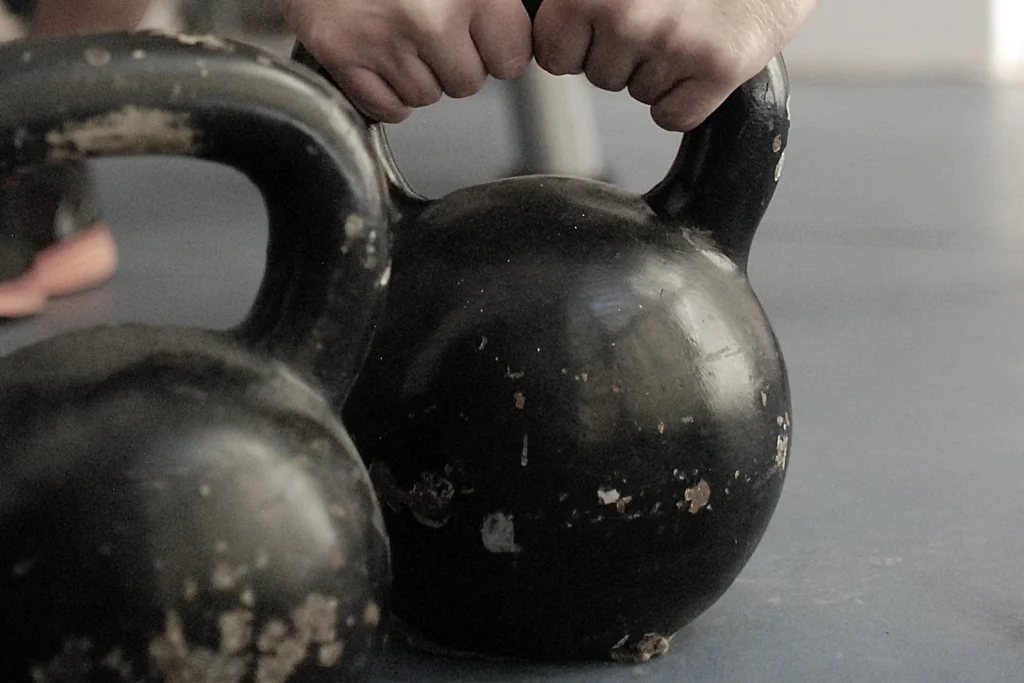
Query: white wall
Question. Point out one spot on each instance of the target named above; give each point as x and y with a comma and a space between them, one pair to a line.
943, 39
1007, 26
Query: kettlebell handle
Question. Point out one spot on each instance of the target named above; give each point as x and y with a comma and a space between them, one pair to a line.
722, 179
727, 169
289, 132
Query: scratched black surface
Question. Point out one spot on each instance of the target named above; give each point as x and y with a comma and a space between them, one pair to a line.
892, 265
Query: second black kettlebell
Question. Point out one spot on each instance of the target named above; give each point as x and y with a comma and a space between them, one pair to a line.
180, 505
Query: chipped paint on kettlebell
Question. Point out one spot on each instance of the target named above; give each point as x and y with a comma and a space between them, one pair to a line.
131, 130
230, 533
651, 384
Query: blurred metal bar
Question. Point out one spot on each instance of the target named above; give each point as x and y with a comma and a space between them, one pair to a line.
556, 125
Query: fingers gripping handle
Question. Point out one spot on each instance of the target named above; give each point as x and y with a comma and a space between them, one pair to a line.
290, 133
405, 198
728, 168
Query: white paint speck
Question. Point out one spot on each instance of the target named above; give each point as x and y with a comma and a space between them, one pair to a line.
355, 227
782, 451
608, 496
97, 56
498, 533
386, 277
262, 559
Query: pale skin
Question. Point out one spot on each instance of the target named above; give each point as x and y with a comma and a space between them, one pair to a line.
682, 58
59, 17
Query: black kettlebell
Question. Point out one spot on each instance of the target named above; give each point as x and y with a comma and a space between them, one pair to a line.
576, 412
179, 504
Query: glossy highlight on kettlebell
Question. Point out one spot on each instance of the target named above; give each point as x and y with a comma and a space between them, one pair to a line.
576, 413
181, 504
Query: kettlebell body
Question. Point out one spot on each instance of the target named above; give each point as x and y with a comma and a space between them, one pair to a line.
181, 504
578, 422
576, 413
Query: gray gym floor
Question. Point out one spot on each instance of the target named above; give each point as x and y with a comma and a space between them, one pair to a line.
892, 265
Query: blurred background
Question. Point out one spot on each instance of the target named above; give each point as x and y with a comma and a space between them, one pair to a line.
977, 40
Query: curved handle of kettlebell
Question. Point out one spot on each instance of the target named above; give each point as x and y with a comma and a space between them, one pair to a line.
727, 169
402, 195
289, 132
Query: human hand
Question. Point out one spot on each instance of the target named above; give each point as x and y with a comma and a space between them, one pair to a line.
53, 240
390, 56
61, 17
682, 57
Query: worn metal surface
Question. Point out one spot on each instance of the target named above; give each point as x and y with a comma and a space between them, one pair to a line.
591, 375
176, 504
892, 266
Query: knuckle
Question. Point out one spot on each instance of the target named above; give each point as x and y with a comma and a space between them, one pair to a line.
510, 68
519, 57
718, 63
426, 96
643, 93
322, 42
558, 61
675, 119
465, 85
388, 114
631, 27
428, 24
547, 58
603, 81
